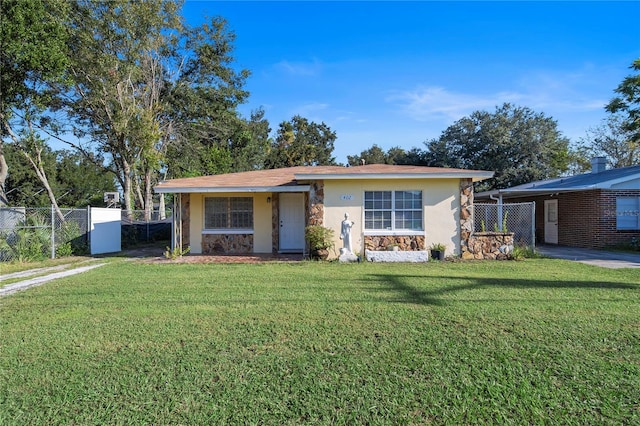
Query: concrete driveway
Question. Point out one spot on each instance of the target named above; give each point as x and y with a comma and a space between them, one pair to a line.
605, 259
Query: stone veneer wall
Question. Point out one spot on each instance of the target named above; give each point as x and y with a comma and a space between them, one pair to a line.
404, 242
488, 245
227, 244
479, 245
466, 213
316, 203
185, 202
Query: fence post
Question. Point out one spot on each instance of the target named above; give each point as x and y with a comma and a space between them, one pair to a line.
53, 232
533, 226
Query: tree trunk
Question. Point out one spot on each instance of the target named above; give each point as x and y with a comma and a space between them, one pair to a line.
39, 169
4, 167
148, 196
162, 208
4, 172
127, 190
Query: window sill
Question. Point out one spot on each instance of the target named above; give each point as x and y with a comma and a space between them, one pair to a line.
383, 232
226, 231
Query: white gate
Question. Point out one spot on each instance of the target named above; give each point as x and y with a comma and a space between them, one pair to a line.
105, 230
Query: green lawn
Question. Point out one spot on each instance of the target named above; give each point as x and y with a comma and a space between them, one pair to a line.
541, 341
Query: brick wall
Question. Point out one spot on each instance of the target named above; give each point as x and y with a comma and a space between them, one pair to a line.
586, 218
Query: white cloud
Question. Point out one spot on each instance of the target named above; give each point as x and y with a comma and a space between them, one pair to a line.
546, 91
438, 103
307, 69
311, 108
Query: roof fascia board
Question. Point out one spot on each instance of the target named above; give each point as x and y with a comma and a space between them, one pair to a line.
609, 183
349, 176
542, 191
256, 189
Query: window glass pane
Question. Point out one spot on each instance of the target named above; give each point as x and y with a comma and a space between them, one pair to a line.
409, 220
377, 220
215, 212
227, 213
377, 206
628, 213
408, 200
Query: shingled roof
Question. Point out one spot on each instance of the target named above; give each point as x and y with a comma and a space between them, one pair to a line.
297, 178
594, 180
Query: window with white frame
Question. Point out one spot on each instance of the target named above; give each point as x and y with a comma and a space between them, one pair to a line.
228, 213
627, 213
393, 210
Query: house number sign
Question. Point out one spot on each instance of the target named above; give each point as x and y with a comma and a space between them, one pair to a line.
346, 197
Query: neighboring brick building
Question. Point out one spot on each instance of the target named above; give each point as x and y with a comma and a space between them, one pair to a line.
595, 210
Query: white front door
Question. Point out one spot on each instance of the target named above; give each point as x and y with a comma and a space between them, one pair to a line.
551, 221
291, 223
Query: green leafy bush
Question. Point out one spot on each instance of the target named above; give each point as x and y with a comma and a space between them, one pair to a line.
30, 242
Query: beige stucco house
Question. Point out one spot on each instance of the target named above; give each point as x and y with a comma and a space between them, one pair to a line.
266, 211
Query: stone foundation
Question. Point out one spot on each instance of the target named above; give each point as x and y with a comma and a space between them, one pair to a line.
488, 245
404, 242
227, 244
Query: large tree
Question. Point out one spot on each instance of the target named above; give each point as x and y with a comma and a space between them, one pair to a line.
612, 139
243, 148
520, 145
144, 80
33, 54
627, 102
300, 142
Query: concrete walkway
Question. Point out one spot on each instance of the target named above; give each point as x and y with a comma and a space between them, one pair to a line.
32, 282
605, 259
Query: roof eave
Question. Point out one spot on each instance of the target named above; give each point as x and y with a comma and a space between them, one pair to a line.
219, 189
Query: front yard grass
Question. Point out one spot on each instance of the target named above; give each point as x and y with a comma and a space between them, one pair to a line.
536, 342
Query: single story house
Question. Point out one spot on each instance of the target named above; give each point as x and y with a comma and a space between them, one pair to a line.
592, 210
266, 211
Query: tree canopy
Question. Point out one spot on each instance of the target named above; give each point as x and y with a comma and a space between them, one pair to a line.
520, 145
300, 142
75, 179
613, 140
33, 54
627, 102
145, 83
395, 155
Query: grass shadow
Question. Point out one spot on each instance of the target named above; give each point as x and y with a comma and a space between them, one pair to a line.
412, 294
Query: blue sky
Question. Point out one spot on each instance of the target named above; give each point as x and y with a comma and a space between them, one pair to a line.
399, 73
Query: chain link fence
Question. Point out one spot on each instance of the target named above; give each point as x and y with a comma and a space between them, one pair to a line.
518, 218
137, 229
28, 233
